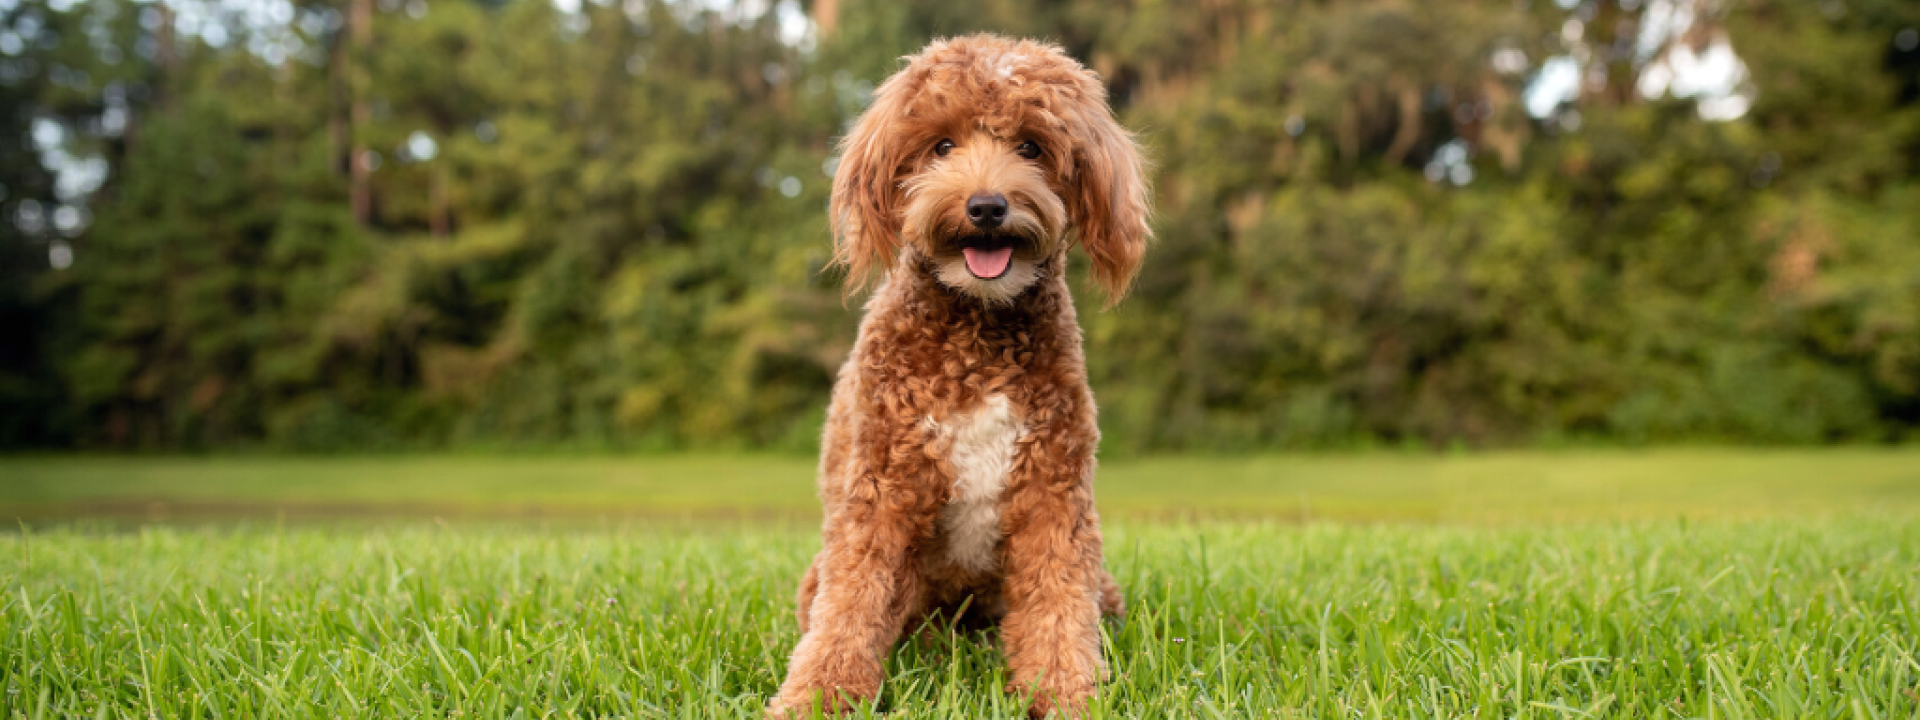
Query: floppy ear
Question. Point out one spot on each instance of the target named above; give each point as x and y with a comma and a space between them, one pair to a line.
866, 185
1111, 210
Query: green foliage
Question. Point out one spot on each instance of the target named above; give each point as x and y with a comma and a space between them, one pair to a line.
605, 229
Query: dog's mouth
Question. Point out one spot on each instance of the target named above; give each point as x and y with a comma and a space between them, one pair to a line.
988, 256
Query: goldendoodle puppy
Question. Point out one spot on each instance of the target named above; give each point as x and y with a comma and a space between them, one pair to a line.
957, 467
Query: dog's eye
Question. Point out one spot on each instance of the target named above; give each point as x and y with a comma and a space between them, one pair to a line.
943, 147
1028, 150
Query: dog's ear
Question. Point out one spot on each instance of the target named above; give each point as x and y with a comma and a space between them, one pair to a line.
1111, 208
866, 185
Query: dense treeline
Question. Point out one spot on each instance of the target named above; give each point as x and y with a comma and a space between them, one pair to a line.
350, 224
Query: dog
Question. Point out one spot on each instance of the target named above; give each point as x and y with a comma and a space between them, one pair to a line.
957, 462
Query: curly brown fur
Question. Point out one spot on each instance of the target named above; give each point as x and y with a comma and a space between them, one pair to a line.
958, 460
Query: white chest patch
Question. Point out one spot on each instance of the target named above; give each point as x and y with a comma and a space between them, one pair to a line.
984, 443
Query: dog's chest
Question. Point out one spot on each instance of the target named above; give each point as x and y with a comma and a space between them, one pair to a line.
981, 447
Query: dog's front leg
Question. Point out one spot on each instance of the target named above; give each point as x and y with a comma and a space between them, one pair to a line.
1052, 628
865, 589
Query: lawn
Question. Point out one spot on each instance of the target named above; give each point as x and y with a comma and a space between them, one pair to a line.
1661, 585
1498, 487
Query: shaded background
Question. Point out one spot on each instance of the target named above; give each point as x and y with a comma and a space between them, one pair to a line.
398, 224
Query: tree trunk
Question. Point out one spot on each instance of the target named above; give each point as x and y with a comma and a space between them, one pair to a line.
826, 17
1408, 131
163, 54
360, 36
337, 93
437, 212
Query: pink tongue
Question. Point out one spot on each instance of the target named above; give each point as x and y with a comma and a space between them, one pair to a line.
988, 264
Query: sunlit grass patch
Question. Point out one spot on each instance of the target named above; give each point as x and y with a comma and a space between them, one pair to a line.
1497, 487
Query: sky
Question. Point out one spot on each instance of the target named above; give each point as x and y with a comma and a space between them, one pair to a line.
1667, 63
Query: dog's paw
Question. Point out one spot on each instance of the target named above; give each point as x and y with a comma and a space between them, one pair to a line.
783, 709
1060, 709
800, 703
1065, 701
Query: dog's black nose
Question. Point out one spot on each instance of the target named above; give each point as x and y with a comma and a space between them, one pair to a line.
987, 210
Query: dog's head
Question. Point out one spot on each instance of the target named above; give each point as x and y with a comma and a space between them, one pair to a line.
985, 156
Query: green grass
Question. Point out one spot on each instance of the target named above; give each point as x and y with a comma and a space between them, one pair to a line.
1651, 619
1489, 487
1669, 584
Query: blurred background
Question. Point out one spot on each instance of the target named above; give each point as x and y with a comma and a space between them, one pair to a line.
585, 225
